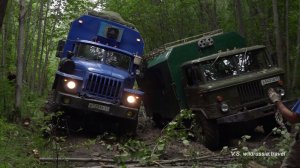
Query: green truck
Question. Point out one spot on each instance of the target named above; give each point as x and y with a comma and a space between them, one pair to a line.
216, 76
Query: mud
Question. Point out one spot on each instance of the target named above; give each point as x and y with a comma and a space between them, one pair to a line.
85, 144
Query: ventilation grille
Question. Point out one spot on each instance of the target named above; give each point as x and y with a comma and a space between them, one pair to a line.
103, 87
250, 91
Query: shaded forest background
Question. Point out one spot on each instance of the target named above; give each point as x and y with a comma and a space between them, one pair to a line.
30, 30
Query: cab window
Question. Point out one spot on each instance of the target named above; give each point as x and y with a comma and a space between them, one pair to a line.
193, 75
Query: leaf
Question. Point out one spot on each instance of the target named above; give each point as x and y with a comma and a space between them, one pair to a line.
161, 147
172, 123
245, 148
186, 142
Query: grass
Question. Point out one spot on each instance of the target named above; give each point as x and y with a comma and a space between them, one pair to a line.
21, 146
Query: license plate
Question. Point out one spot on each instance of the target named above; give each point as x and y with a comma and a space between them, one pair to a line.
98, 107
270, 80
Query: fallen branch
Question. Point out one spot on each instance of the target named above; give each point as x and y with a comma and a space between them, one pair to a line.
83, 160
199, 159
214, 158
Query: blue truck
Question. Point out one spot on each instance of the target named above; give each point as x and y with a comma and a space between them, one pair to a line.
99, 62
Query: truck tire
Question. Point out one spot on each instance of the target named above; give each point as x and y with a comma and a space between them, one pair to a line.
127, 127
51, 106
131, 127
50, 109
206, 131
159, 121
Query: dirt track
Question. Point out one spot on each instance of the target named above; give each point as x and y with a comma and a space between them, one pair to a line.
105, 147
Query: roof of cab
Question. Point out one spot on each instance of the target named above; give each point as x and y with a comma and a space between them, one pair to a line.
110, 15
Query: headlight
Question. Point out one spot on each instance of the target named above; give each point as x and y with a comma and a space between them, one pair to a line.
281, 92
131, 99
71, 84
224, 107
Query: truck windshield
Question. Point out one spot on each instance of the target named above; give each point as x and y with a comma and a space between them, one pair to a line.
102, 55
236, 64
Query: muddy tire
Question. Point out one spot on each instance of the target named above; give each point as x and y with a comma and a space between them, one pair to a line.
131, 127
157, 120
207, 132
51, 107
127, 127
50, 110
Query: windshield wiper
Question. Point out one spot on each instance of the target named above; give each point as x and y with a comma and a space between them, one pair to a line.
215, 60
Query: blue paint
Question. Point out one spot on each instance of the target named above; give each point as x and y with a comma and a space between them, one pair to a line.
100, 80
90, 30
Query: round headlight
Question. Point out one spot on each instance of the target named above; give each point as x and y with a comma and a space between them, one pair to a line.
224, 107
131, 99
71, 84
281, 92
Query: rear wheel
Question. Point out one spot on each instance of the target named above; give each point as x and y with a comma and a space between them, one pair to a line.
159, 121
206, 131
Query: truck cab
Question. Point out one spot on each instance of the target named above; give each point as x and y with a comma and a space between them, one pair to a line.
231, 87
98, 65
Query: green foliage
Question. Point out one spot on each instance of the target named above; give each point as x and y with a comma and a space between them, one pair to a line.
262, 154
136, 150
7, 92
19, 146
165, 21
174, 131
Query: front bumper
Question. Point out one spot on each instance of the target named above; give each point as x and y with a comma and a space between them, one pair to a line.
76, 102
253, 113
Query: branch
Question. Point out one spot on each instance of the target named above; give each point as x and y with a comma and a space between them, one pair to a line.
214, 158
83, 160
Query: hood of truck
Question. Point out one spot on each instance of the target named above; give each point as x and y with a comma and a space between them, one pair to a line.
97, 67
239, 79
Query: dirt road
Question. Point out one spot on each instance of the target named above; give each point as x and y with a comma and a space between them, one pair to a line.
108, 150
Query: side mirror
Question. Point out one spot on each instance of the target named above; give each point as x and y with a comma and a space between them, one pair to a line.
70, 54
60, 48
137, 60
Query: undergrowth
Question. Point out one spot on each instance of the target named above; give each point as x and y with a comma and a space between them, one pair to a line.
19, 146
22, 141
173, 131
262, 154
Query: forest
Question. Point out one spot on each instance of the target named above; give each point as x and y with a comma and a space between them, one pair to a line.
31, 29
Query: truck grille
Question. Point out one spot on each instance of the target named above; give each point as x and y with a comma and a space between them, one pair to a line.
103, 86
250, 91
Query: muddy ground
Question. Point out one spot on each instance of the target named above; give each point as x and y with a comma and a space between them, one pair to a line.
106, 146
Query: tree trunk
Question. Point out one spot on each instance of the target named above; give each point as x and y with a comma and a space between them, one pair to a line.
3, 53
3, 68
43, 81
239, 16
296, 63
287, 77
27, 37
28, 52
279, 51
38, 42
20, 52
215, 18
264, 26
3, 5
44, 37
200, 14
